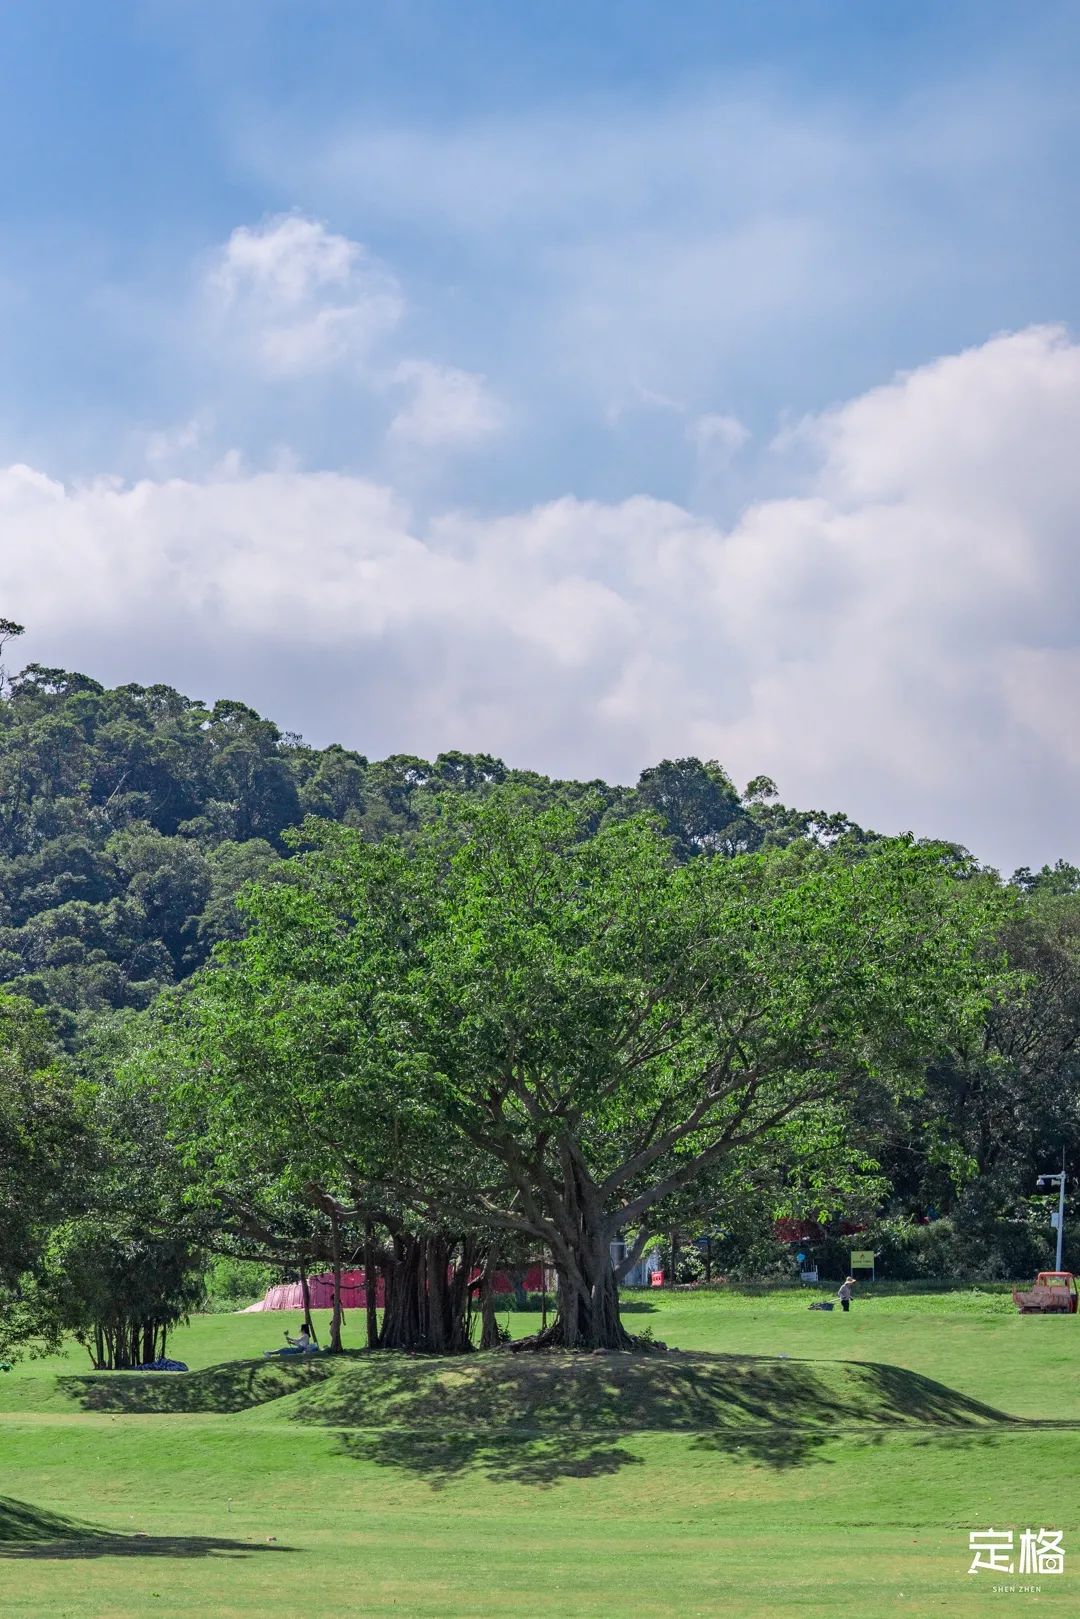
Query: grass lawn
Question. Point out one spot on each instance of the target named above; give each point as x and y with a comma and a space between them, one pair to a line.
777, 1461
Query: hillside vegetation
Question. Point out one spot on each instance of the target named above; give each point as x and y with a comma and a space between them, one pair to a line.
131, 818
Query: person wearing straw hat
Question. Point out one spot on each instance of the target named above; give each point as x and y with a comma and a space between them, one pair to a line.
844, 1293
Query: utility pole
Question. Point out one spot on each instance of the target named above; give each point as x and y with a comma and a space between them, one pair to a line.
1058, 1220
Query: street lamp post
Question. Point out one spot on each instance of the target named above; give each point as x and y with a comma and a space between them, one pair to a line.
1057, 1180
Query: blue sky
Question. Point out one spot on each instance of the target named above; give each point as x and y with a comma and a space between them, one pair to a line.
493, 306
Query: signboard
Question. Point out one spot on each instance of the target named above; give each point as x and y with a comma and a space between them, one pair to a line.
862, 1259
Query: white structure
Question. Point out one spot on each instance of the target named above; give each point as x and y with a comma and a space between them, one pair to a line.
639, 1274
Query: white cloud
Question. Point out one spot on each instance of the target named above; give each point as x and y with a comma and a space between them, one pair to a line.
635, 398
170, 449
898, 639
293, 300
446, 407
301, 297
717, 439
585, 166
741, 231
655, 245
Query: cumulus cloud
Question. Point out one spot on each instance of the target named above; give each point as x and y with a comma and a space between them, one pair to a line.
291, 301
897, 638
301, 297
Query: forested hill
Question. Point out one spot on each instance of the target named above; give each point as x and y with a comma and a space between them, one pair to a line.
130, 819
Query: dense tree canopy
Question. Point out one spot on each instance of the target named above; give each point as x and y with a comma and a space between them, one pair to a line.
294, 1004
130, 820
514, 1021
43, 1146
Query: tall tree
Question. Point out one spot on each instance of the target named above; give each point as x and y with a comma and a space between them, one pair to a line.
600, 1025
277, 1085
43, 1150
1000, 1105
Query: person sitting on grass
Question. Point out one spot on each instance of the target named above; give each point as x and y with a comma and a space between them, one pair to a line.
300, 1345
844, 1292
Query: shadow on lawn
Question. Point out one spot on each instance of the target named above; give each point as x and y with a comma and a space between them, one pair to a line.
27, 1531
512, 1458
539, 1421
536, 1419
235, 1386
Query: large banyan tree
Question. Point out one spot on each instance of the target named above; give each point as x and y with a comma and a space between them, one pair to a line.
514, 1022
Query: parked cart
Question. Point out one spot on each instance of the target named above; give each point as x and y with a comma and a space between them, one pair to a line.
1054, 1293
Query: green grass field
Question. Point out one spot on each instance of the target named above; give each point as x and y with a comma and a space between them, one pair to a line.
777, 1461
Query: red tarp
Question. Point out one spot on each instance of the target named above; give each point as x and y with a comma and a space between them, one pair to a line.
289, 1295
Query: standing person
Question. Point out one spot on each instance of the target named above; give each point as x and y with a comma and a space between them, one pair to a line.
844, 1293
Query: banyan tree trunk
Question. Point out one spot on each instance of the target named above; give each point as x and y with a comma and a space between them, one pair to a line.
335, 1319
459, 1298
425, 1305
305, 1293
590, 1319
124, 1342
371, 1285
588, 1305
489, 1327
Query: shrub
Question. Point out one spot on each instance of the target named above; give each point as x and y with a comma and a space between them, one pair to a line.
944, 1251
233, 1283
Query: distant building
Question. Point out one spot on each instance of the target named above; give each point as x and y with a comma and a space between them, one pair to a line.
639, 1274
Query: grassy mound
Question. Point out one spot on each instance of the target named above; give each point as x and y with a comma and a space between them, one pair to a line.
540, 1419
603, 1393
681, 1392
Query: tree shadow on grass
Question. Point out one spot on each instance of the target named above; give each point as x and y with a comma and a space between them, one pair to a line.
538, 1420
989, 1437
235, 1386
30, 1532
540, 1460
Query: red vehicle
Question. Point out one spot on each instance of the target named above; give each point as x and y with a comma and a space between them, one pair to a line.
1054, 1293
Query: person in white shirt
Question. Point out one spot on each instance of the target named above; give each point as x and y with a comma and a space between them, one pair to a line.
304, 1341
